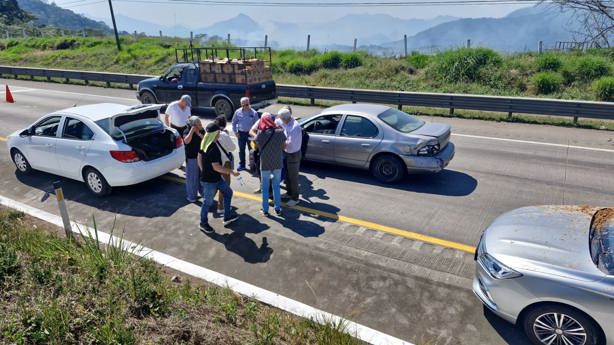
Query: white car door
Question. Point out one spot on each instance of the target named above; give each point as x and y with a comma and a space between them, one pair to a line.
40, 145
72, 147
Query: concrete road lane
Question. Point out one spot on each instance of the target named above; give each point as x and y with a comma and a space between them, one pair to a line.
411, 289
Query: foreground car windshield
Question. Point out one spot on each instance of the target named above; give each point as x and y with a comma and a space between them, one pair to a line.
400, 121
602, 240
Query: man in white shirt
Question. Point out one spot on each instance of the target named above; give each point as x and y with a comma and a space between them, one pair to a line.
178, 112
292, 152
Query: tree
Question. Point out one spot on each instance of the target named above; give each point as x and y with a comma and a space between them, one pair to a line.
596, 18
11, 13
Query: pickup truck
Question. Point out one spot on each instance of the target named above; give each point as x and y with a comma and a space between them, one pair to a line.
186, 78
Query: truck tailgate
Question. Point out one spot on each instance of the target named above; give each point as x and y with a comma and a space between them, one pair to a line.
262, 91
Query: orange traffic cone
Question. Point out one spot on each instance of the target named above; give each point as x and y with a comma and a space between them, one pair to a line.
9, 96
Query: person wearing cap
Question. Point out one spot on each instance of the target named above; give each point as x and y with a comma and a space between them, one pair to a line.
292, 153
226, 146
242, 121
211, 167
177, 113
192, 137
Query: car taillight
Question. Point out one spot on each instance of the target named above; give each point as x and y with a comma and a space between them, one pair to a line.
178, 142
125, 156
248, 93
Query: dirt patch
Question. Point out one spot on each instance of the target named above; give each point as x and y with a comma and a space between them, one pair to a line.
602, 217
584, 209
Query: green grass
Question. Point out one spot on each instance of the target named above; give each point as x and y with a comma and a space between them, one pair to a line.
55, 291
476, 71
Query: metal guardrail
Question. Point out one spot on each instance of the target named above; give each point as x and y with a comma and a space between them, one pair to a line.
510, 105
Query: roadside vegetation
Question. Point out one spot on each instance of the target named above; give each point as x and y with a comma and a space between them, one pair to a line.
53, 291
568, 75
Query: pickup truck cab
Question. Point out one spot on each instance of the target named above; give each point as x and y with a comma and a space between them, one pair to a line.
224, 97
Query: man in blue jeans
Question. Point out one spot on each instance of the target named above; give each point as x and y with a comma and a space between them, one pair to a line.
211, 168
242, 121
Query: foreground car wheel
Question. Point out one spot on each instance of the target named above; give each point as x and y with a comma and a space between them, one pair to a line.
555, 324
388, 169
96, 183
21, 163
223, 107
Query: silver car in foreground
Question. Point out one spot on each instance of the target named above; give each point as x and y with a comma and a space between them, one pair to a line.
550, 270
384, 140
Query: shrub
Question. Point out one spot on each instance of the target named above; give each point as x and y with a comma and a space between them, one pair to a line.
549, 62
301, 66
547, 82
351, 60
586, 68
604, 89
66, 44
330, 60
418, 60
464, 64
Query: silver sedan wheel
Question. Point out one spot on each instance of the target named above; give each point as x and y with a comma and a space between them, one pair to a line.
559, 329
94, 182
20, 162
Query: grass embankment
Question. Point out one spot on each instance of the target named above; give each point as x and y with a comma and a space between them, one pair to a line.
573, 75
55, 292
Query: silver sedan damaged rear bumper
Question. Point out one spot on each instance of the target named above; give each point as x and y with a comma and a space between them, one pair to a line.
430, 164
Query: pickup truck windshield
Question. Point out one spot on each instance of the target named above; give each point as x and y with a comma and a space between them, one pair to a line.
601, 240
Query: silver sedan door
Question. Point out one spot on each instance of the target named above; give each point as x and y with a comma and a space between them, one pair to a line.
357, 139
322, 130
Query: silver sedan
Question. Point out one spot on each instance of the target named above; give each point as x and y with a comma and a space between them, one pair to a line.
550, 270
385, 140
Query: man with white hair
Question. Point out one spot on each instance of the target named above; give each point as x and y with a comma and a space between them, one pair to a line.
292, 153
177, 113
242, 121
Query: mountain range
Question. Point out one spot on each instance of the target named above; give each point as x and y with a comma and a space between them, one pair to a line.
54, 15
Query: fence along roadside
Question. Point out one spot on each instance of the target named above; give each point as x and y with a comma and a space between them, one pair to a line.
509, 105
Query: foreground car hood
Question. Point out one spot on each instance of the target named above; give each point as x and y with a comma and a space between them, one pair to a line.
548, 239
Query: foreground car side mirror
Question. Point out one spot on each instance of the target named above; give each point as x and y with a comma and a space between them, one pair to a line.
27, 132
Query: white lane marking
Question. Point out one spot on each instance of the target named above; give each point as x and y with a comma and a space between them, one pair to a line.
364, 333
83, 94
17, 90
534, 142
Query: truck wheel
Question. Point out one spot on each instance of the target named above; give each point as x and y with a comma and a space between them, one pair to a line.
223, 107
148, 98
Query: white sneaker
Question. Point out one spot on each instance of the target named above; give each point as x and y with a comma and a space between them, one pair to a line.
218, 212
292, 202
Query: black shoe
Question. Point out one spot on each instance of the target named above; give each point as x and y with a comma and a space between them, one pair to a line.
278, 212
231, 219
206, 228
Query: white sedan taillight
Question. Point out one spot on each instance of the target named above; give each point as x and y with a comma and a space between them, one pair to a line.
125, 156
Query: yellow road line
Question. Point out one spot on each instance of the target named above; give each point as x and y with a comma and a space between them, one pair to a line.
3, 139
358, 222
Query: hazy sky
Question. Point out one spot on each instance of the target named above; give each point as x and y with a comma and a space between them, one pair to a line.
195, 16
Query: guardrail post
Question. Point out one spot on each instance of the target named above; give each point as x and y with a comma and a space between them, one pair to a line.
509, 115
312, 101
131, 86
59, 195
400, 107
451, 111
108, 84
66, 81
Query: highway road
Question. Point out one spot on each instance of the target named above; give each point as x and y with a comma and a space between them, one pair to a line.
354, 247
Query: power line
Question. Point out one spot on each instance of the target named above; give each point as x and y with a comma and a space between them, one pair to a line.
342, 4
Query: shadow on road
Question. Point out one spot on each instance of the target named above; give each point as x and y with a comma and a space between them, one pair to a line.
238, 243
509, 333
447, 182
150, 199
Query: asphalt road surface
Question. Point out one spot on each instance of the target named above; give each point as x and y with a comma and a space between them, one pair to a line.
353, 247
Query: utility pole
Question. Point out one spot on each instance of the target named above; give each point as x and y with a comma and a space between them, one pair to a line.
119, 47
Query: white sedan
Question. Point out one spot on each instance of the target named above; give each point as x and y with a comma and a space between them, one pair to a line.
105, 145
